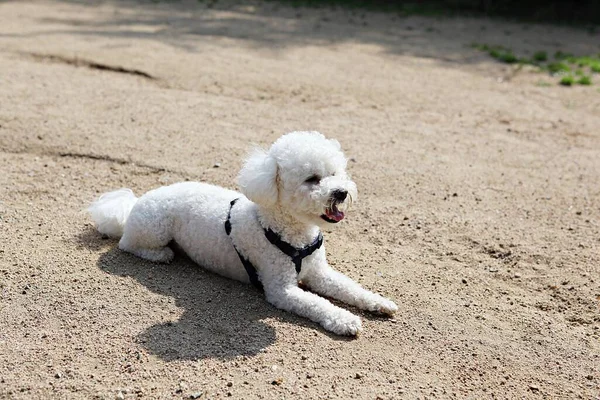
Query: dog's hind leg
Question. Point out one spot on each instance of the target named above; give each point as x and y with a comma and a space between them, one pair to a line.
147, 238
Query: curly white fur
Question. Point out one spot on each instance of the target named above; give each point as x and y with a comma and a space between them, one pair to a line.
291, 189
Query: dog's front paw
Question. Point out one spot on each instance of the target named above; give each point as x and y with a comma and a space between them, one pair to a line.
384, 306
345, 323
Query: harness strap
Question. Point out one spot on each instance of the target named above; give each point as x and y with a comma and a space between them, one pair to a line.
250, 269
297, 255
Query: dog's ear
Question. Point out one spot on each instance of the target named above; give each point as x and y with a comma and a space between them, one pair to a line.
258, 178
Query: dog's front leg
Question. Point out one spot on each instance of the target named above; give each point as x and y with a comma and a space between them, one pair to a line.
293, 299
325, 280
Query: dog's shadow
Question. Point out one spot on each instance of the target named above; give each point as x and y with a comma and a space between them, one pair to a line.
221, 318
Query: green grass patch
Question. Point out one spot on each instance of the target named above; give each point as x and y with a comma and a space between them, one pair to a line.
499, 53
506, 56
556, 67
571, 69
584, 61
540, 56
567, 80
585, 80
559, 55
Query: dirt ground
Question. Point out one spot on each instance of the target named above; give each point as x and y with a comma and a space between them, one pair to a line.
479, 208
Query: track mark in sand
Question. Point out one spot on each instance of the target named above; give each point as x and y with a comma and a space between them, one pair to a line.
79, 62
113, 160
94, 157
39, 151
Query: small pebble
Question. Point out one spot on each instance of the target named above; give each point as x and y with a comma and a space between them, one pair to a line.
58, 375
358, 375
216, 165
195, 395
277, 381
229, 384
120, 396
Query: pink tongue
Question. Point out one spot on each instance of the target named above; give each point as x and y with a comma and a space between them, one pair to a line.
334, 215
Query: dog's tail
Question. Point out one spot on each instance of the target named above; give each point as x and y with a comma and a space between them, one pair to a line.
111, 210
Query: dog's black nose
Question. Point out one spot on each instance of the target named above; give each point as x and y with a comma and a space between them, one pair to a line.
340, 195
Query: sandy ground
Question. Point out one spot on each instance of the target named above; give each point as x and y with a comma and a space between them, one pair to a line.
479, 209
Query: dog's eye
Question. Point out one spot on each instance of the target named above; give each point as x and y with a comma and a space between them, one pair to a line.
313, 179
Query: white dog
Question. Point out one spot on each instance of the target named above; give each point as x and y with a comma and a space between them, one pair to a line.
269, 235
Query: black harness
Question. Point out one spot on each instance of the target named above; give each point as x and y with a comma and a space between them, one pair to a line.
296, 254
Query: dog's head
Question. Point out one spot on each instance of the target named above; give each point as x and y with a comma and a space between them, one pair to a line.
304, 174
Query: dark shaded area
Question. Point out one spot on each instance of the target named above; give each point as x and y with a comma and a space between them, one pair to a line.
273, 26
222, 317
558, 11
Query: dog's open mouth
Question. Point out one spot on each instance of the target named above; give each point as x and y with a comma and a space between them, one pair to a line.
333, 214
